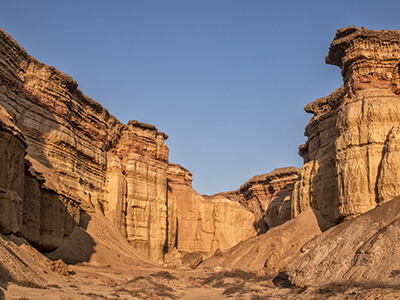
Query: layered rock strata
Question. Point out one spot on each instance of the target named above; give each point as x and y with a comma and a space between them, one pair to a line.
268, 196
203, 224
33, 202
136, 188
351, 157
98, 164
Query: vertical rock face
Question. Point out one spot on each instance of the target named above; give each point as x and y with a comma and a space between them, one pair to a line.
12, 167
32, 203
137, 188
64, 129
204, 224
351, 157
50, 210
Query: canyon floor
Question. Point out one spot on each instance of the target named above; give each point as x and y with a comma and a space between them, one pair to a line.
106, 282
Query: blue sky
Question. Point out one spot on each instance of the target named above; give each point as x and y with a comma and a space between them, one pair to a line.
227, 80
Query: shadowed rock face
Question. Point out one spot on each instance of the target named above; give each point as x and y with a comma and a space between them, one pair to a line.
268, 196
351, 159
33, 201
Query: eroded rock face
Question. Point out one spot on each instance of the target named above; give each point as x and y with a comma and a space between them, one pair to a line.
274, 248
357, 250
81, 157
33, 202
351, 155
12, 170
137, 188
268, 196
204, 224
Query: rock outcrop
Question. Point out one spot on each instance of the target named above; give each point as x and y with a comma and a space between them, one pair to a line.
268, 196
136, 188
351, 158
357, 250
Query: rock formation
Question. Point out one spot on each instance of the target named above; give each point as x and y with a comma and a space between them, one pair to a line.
82, 187
203, 224
268, 195
34, 203
357, 250
351, 158
272, 249
64, 152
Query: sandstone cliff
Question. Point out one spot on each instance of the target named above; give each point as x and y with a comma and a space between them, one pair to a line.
64, 152
268, 196
203, 224
33, 202
351, 157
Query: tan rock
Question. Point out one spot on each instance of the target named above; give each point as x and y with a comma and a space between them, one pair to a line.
98, 242
345, 171
21, 263
12, 173
192, 260
59, 267
34, 203
364, 249
389, 171
50, 209
274, 248
268, 196
116, 169
71, 134
204, 224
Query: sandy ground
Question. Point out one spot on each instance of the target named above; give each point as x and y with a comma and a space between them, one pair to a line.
103, 282
91, 282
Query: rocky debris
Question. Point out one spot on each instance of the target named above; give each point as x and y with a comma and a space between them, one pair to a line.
351, 157
20, 263
192, 260
274, 248
97, 242
363, 249
59, 267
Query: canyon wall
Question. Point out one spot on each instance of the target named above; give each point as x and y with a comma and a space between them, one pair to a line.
351, 157
269, 196
204, 224
64, 152
33, 203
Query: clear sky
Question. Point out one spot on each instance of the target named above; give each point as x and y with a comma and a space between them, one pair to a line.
227, 80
